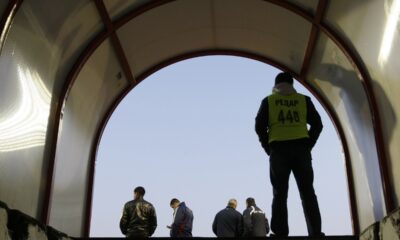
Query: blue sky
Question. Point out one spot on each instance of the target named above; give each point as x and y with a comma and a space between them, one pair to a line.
187, 132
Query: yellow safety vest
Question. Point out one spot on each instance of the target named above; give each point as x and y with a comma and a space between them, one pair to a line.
287, 117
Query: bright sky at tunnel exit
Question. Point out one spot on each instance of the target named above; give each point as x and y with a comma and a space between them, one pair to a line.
187, 132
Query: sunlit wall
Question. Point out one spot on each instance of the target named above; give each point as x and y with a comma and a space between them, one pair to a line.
38, 52
26, 93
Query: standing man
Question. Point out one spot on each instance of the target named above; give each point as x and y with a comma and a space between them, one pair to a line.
183, 219
254, 220
139, 218
281, 125
228, 222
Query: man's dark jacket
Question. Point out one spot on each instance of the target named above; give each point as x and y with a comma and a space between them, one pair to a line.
255, 224
183, 222
138, 219
228, 223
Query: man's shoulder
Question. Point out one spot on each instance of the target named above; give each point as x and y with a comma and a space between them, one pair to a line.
274, 95
303, 95
264, 102
247, 211
187, 209
234, 211
258, 210
146, 203
222, 211
238, 213
129, 204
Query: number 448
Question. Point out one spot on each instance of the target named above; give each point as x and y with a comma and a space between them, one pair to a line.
290, 116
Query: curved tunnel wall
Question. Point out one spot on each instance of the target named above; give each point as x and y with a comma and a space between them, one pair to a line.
67, 78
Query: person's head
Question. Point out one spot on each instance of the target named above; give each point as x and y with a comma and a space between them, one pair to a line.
250, 202
139, 192
284, 77
232, 203
174, 203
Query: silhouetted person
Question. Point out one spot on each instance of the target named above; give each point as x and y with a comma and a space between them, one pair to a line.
281, 125
228, 222
255, 224
183, 219
139, 218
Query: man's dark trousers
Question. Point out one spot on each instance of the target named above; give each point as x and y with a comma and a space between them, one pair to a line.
287, 157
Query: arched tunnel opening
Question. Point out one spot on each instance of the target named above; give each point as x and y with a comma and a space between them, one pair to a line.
187, 131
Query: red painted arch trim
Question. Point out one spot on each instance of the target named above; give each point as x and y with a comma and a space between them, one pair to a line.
313, 38
136, 12
72, 75
92, 160
101, 8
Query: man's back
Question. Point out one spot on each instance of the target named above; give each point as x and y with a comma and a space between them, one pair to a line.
138, 218
255, 223
228, 223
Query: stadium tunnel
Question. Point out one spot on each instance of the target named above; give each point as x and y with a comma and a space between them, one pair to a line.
65, 66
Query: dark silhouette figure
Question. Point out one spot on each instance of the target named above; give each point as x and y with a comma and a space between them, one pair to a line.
139, 218
281, 125
228, 222
255, 224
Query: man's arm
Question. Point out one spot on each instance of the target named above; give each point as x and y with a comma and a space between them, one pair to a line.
153, 221
240, 226
262, 125
123, 223
214, 225
315, 122
247, 225
266, 225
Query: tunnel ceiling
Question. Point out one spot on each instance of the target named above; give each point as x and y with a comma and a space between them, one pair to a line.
101, 49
